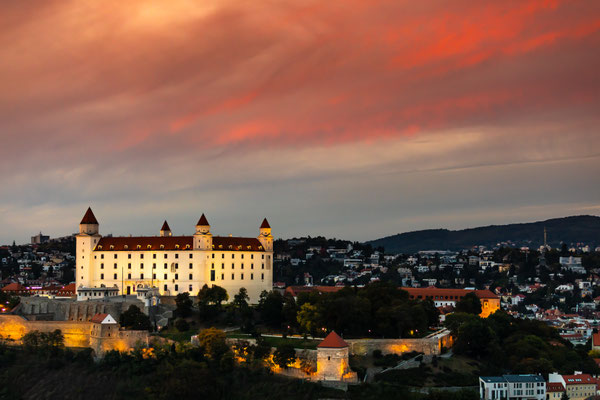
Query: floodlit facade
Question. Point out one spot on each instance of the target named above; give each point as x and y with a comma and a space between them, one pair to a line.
174, 264
512, 387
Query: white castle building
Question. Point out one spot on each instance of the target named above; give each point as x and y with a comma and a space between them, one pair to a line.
174, 264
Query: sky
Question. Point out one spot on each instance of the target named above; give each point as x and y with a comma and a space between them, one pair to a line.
351, 119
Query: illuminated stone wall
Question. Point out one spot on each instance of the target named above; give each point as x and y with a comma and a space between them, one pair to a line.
394, 346
76, 334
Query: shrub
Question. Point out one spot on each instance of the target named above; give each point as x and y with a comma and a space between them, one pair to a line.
182, 325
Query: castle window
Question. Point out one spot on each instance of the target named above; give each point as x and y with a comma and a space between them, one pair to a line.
166, 288
191, 277
128, 255
129, 275
153, 255
165, 276
165, 255
142, 276
191, 288
242, 255
230, 247
187, 246
128, 265
115, 255
222, 265
162, 246
149, 247
262, 277
263, 256
251, 255
115, 276
251, 276
176, 287
142, 266
101, 276
176, 246
153, 265
213, 255
139, 246
222, 277
100, 248
141, 256
176, 254
242, 265
153, 276
115, 265
232, 276
191, 265
263, 265
126, 247
221, 246
260, 248
242, 278
223, 254
101, 265
165, 266
252, 266
239, 247
249, 247
101, 255
213, 265
212, 276
112, 247
232, 265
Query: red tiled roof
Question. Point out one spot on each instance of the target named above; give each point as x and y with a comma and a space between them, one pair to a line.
580, 379
441, 294
150, 243
295, 290
14, 287
596, 339
265, 224
67, 290
333, 341
98, 318
554, 387
165, 226
202, 221
89, 217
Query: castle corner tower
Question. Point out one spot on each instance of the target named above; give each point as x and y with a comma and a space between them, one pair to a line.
203, 237
265, 238
87, 239
165, 230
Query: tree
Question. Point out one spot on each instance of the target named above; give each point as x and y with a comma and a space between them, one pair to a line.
240, 300
184, 305
470, 304
284, 355
212, 340
214, 295
135, 319
308, 318
182, 325
564, 396
270, 306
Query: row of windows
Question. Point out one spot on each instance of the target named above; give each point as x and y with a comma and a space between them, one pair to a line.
173, 266
233, 266
166, 276
242, 256
213, 276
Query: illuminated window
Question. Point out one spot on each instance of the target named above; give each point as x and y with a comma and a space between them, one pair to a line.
162, 246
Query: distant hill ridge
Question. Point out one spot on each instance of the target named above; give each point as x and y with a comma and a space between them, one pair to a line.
581, 228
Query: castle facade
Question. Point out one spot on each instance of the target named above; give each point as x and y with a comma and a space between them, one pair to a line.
173, 264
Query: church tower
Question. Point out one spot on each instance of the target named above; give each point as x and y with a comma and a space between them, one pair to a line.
165, 230
86, 241
265, 238
203, 237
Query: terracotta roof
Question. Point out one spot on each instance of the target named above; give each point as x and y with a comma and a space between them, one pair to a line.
596, 339
202, 221
265, 224
295, 290
153, 243
446, 294
98, 318
89, 217
67, 290
165, 226
554, 387
579, 379
14, 287
333, 341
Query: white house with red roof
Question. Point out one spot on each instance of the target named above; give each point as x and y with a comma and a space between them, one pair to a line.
173, 264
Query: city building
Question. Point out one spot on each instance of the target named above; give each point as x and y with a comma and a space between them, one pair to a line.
333, 360
174, 264
554, 390
512, 387
39, 239
572, 264
490, 302
578, 386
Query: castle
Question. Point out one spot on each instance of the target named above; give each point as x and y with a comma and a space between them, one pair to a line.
173, 264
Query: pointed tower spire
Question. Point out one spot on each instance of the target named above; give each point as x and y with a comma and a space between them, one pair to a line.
202, 221
265, 224
89, 224
203, 237
165, 230
89, 217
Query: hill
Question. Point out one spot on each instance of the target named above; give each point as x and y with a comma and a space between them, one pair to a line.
582, 228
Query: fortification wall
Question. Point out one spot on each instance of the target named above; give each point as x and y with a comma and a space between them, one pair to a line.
71, 309
76, 334
394, 346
